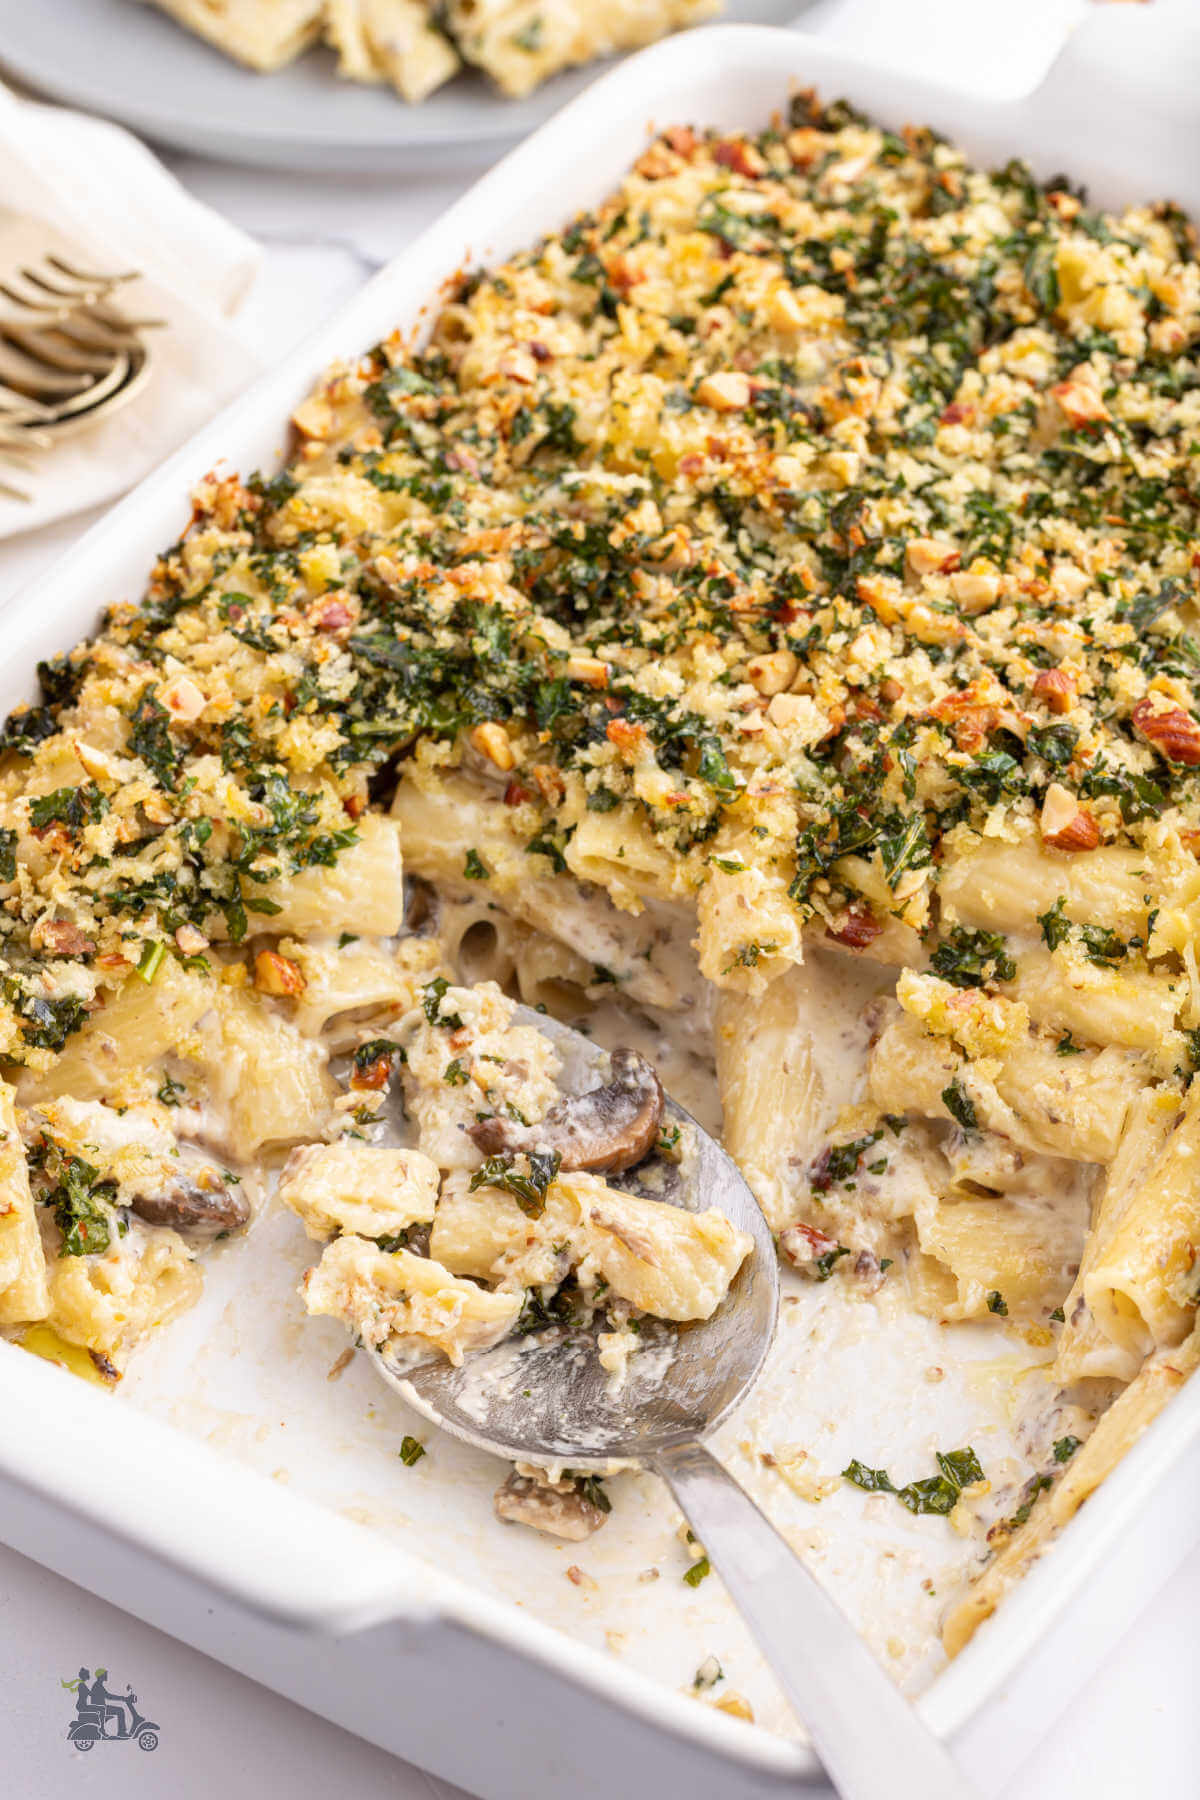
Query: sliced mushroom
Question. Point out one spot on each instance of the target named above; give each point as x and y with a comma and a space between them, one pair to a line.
607, 1130
421, 907
560, 1508
200, 1200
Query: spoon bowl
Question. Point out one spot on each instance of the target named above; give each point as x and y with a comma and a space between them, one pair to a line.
545, 1397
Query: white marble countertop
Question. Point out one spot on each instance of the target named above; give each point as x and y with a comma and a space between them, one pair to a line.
1135, 1730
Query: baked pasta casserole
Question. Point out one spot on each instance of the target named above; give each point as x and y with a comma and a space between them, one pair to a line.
767, 608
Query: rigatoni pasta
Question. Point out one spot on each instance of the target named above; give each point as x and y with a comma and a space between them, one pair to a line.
417, 45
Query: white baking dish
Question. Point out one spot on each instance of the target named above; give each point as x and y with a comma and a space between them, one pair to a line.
377, 1595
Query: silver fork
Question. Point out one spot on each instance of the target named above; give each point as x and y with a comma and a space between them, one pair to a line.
68, 354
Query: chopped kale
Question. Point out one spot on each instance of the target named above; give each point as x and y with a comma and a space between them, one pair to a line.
82, 1203
591, 1487
838, 1162
73, 807
432, 995
973, 959
151, 739
826, 1263
1056, 927
526, 1177
958, 1469
960, 1106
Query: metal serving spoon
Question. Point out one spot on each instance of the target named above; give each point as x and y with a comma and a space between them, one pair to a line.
546, 1400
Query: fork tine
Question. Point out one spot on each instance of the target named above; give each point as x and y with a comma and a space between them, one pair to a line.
87, 329
9, 487
38, 306
68, 354
33, 378
121, 321
15, 447
15, 406
57, 351
15, 444
78, 296
92, 279
90, 397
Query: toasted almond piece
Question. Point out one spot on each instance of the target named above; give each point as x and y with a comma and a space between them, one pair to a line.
882, 594
785, 311
773, 671
1055, 688
491, 740
518, 365
727, 391
315, 417
1058, 809
628, 736
786, 709
1174, 733
804, 1245
335, 612
190, 941
1080, 833
673, 551
805, 146
1064, 823
1167, 336
59, 937
93, 762
275, 974
549, 782
740, 156
656, 163
183, 699
681, 138
1065, 205
974, 593
589, 669
929, 556
931, 627
1080, 402
859, 928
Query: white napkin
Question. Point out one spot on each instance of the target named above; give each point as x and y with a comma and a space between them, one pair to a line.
105, 191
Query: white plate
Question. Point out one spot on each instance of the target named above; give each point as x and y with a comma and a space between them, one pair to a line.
234, 1497
131, 62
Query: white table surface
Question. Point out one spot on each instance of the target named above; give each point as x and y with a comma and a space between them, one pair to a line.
1134, 1731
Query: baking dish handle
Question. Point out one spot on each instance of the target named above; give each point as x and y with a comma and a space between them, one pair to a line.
985, 47
863, 1729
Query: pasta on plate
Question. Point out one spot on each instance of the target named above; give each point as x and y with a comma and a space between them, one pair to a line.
416, 46
765, 612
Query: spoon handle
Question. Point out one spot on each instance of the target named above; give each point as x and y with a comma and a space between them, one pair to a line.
867, 1735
